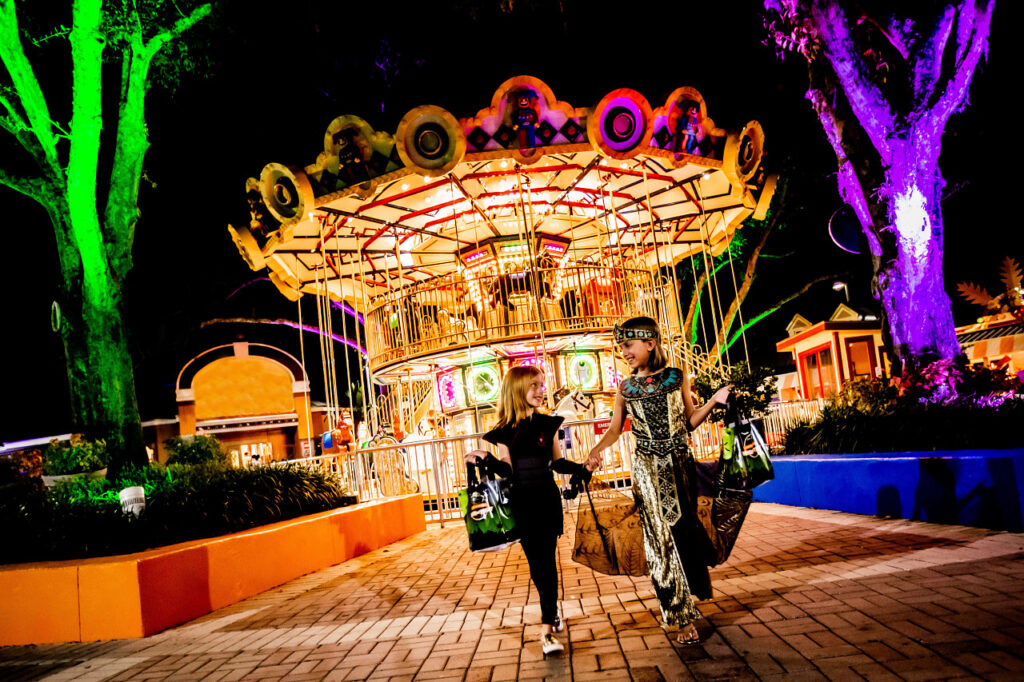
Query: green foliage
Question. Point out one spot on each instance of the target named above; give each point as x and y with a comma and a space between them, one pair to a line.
84, 518
947, 405
846, 429
77, 456
195, 450
753, 389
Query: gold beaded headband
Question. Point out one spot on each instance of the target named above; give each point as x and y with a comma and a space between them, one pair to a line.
621, 334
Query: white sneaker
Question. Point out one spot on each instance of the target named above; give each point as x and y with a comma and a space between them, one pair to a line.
558, 625
549, 645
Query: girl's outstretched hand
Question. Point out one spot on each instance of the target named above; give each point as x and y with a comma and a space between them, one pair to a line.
721, 395
473, 456
592, 462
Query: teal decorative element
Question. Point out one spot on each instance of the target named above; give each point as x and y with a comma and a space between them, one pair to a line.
622, 334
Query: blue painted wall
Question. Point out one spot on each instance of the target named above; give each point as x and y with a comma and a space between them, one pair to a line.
982, 488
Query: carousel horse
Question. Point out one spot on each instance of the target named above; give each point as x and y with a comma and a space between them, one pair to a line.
390, 467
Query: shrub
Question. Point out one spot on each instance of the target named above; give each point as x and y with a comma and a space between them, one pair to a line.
752, 389
948, 405
83, 518
19, 464
76, 456
195, 450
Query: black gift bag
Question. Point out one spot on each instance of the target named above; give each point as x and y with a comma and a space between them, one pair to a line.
744, 463
486, 509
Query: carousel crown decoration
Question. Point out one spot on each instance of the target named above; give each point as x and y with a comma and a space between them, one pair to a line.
624, 334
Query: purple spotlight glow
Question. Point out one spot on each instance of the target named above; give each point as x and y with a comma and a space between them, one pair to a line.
313, 330
347, 309
287, 323
249, 283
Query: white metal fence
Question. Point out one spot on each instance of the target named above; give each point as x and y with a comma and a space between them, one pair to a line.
436, 468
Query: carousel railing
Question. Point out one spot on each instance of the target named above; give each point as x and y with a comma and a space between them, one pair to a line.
460, 310
436, 468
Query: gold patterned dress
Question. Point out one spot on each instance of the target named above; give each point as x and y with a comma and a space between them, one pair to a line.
677, 545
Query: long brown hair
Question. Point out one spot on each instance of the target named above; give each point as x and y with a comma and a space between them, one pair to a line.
513, 408
658, 357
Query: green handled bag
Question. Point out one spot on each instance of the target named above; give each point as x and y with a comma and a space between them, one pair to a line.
744, 463
487, 511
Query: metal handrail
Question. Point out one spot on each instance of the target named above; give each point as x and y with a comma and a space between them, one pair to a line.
459, 309
435, 468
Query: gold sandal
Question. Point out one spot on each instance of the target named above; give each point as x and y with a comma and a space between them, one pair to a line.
688, 635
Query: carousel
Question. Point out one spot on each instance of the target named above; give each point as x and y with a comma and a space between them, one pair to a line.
520, 234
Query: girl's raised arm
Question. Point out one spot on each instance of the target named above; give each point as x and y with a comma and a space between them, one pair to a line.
695, 416
611, 435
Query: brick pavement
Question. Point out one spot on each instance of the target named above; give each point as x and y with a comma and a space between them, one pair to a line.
807, 595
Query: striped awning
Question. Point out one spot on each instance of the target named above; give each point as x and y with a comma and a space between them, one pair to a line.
994, 347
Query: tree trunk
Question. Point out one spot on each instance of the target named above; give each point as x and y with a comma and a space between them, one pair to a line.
101, 378
908, 277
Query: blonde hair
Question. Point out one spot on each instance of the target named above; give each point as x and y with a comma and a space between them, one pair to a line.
658, 358
512, 407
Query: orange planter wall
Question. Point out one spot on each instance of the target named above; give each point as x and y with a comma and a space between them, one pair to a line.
135, 595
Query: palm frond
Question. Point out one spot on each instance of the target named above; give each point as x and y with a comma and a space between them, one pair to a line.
1010, 274
974, 293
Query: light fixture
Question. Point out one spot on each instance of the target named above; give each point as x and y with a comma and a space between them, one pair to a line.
841, 286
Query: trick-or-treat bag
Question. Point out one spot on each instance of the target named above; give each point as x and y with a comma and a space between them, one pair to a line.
609, 538
744, 463
721, 511
487, 511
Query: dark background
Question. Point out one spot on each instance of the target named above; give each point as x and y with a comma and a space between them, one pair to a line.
275, 74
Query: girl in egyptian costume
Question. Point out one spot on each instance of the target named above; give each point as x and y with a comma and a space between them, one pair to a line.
678, 546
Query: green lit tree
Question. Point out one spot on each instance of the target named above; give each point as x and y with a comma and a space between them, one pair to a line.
85, 173
714, 315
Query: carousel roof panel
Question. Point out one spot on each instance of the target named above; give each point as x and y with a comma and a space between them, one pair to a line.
381, 211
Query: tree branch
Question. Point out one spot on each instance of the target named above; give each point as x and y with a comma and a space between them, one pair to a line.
87, 44
850, 188
132, 141
180, 26
38, 189
866, 100
702, 280
926, 60
757, 318
972, 31
30, 94
13, 121
748, 280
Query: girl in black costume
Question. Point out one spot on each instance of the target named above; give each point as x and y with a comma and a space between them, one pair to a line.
528, 451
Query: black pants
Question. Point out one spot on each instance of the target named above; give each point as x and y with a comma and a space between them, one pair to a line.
540, 555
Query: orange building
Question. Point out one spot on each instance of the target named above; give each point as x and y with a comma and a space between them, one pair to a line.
252, 397
828, 354
995, 340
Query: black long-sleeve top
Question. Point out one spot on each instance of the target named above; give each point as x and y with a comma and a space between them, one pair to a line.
534, 496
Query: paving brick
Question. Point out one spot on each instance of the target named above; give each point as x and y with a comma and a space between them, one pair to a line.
807, 595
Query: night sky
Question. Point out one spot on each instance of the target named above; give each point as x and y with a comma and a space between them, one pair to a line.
278, 73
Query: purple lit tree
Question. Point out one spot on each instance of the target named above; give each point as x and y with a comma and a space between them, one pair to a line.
85, 173
883, 86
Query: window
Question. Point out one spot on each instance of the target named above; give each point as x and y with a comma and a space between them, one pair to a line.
861, 357
819, 372
250, 454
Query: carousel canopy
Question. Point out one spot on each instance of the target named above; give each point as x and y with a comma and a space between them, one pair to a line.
618, 182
